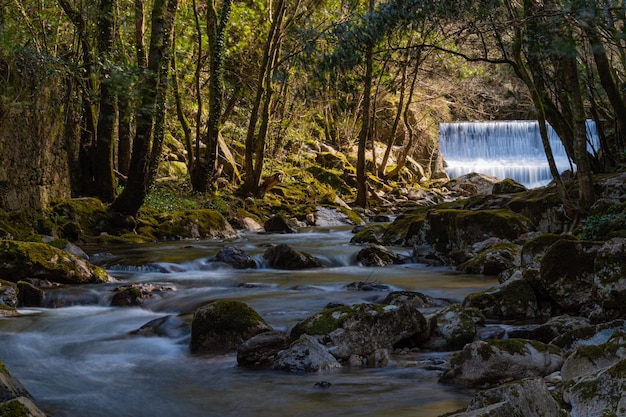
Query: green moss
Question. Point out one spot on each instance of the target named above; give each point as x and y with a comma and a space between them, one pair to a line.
331, 319
370, 234
3, 368
14, 408
227, 315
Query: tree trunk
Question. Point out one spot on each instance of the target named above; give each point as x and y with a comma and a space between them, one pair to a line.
361, 174
151, 92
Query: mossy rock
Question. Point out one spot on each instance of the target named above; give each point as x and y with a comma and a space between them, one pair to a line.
534, 249
514, 299
21, 225
223, 325
370, 234
20, 407
21, 260
79, 218
494, 260
508, 186
332, 178
406, 228
192, 224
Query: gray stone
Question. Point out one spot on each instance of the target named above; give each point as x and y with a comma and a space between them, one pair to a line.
306, 354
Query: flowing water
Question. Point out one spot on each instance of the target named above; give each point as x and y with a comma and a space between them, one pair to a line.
504, 149
79, 360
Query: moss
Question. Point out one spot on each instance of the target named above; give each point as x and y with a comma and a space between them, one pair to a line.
405, 229
189, 224
370, 234
3, 368
14, 408
227, 315
331, 319
352, 215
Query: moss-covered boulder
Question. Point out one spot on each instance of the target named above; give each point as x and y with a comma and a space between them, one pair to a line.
259, 351
405, 229
189, 224
508, 186
414, 299
136, 294
514, 299
223, 325
306, 354
10, 386
588, 359
494, 260
283, 256
370, 234
377, 255
30, 295
20, 407
21, 260
610, 279
567, 274
557, 326
534, 249
455, 327
363, 329
80, 218
8, 294
235, 258
600, 393
491, 362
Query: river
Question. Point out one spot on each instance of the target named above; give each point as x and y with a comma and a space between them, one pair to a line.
78, 359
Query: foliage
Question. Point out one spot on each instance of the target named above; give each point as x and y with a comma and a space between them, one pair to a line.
602, 226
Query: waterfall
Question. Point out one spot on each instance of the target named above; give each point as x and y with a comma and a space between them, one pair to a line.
504, 149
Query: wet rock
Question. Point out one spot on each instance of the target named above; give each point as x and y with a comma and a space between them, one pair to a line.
514, 299
370, 234
193, 224
414, 299
492, 362
557, 326
29, 295
376, 255
278, 224
327, 217
367, 286
568, 283
235, 257
259, 351
472, 184
455, 327
167, 326
534, 249
362, 329
594, 334
22, 407
508, 186
306, 354
610, 279
10, 386
283, 256
223, 325
136, 294
8, 294
21, 260
527, 398
493, 260
589, 359
602, 393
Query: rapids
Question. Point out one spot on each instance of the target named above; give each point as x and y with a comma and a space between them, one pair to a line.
77, 359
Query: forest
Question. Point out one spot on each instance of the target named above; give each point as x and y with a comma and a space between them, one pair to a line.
235, 88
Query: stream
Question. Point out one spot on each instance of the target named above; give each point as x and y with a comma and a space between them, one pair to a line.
77, 358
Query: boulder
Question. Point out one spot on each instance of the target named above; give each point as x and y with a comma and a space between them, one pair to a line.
10, 386
259, 351
493, 260
282, 256
508, 186
192, 224
223, 325
594, 334
472, 184
569, 283
30, 295
602, 393
235, 258
557, 326
20, 407
492, 362
610, 279
166, 326
514, 299
21, 260
376, 255
455, 327
526, 398
136, 294
278, 224
306, 354
414, 299
589, 359
8, 294
362, 329
370, 234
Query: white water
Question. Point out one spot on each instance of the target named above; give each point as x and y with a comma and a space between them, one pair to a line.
504, 149
80, 361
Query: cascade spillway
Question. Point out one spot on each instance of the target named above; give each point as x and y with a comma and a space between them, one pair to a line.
504, 149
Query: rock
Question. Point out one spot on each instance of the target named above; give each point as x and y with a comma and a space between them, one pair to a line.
526, 398
534, 249
602, 393
370, 234
455, 327
8, 294
21, 260
223, 325
10, 386
589, 359
259, 351
20, 407
413, 298
508, 186
569, 283
492, 362
251, 225
136, 294
306, 354
278, 224
367, 286
362, 329
167, 326
595, 334
193, 224
376, 255
610, 279
514, 299
327, 217
493, 260
235, 257
29, 295
282, 256
472, 184
557, 326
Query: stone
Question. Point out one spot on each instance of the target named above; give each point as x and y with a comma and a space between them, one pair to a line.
589, 359
514, 299
557, 326
508, 186
455, 327
278, 224
20, 407
223, 325
282, 256
376, 255
235, 258
492, 362
30, 295
414, 299
472, 184
166, 326
259, 351
370, 234
306, 354
10, 386
136, 294
494, 260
